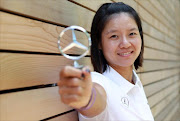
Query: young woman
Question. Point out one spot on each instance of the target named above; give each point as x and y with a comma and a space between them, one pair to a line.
113, 92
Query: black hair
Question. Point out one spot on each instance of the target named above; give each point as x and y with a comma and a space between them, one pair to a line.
100, 19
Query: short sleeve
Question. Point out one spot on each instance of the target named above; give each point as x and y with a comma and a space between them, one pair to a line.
99, 79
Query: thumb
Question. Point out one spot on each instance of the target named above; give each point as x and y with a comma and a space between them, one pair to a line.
86, 73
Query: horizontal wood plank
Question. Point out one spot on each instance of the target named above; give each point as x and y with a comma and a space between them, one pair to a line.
174, 113
32, 105
152, 77
150, 53
72, 116
158, 108
151, 9
19, 33
42, 37
150, 19
167, 8
162, 115
51, 11
160, 45
155, 99
153, 65
161, 9
158, 86
23, 70
93, 4
151, 31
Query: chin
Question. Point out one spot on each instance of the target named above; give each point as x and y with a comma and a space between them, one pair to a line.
124, 65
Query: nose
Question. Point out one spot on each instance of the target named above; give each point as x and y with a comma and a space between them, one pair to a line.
124, 43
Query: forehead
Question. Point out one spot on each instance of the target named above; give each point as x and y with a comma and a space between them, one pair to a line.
121, 20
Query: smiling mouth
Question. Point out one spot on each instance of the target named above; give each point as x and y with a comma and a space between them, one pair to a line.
125, 54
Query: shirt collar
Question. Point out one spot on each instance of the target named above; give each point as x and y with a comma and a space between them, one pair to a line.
121, 81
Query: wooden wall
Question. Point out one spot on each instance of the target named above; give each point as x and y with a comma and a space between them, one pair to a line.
30, 61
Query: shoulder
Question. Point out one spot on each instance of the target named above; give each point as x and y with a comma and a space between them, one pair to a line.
99, 79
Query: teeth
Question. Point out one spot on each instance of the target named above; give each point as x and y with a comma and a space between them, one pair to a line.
125, 53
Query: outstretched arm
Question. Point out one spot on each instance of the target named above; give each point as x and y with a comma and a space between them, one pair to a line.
78, 91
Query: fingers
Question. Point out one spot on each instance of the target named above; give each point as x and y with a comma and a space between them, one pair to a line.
67, 99
71, 91
69, 71
69, 95
70, 82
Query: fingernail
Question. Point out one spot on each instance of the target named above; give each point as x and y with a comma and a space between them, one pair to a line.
82, 75
87, 70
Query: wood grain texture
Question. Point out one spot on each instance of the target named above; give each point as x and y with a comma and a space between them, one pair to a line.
162, 10
173, 115
51, 11
151, 77
19, 33
152, 65
155, 99
150, 53
167, 8
150, 19
166, 111
160, 85
72, 116
23, 70
151, 9
42, 37
151, 31
161, 105
160, 45
31, 105
93, 4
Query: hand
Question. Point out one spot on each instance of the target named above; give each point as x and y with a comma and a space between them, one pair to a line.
75, 86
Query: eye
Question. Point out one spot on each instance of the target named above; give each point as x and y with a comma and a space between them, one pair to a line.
133, 33
114, 36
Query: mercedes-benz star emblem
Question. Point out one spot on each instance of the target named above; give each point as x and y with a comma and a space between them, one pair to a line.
74, 43
125, 101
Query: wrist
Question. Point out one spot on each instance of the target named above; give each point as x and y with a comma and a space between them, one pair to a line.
91, 101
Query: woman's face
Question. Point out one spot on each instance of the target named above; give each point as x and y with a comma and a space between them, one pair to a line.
121, 41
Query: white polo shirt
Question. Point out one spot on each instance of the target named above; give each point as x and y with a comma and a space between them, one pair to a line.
125, 101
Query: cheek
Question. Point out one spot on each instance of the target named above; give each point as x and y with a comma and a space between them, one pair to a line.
137, 44
105, 46
139, 48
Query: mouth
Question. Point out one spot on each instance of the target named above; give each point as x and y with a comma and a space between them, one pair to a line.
125, 54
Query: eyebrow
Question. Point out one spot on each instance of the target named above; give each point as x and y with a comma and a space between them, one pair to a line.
110, 31
133, 29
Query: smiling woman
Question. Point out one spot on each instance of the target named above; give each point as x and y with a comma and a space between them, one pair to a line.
113, 91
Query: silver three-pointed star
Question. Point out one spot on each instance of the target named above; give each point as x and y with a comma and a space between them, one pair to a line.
75, 43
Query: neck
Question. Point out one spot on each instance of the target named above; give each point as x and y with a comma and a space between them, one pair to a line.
125, 72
